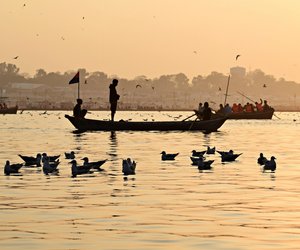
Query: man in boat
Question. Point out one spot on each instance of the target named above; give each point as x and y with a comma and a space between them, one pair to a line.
259, 106
266, 107
206, 114
77, 111
113, 97
200, 110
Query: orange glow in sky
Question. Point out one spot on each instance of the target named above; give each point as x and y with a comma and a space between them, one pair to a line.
152, 37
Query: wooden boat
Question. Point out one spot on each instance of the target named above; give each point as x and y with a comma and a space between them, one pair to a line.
244, 115
250, 115
83, 124
11, 110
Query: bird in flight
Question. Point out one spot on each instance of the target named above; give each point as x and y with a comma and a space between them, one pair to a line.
138, 86
220, 89
237, 57
16, 57
264, 85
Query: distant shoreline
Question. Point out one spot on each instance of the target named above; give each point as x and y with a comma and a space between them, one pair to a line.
152, 110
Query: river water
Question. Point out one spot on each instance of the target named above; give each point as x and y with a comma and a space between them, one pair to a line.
166, 205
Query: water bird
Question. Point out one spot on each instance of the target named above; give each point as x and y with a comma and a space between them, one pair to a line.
93, 164
261, 159
270, 165
70, 155
12, 168
210, 151
49, 167
195, 160
32, 161
78, 170
204, 165
237, 56
228, 156
168, 157
128, 167
198, 153
51, 158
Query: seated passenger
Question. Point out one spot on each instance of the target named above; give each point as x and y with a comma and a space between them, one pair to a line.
206, 112
77, 111
235, 108
259, 106
227, 109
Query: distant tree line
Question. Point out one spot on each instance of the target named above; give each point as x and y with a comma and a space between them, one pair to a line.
255, 84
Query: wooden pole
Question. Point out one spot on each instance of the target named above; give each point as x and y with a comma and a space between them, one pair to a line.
226, 94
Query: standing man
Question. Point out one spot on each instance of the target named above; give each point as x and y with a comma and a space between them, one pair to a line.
113, 97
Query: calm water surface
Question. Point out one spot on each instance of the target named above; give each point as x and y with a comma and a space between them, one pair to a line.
166, 205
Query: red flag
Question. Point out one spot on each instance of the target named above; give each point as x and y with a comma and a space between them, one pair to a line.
75, 79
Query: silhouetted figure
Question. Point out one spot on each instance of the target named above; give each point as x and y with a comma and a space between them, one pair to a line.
266, 107
221, 109
113, 97
77, 111
206, 112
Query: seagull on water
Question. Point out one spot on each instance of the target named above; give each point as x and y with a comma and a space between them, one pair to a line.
78, 170
270, 165
93, 164
11, 168
228, 156
70, 156
168, 157
261, 159
128, 167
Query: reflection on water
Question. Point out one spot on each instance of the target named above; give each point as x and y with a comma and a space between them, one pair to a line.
166, 204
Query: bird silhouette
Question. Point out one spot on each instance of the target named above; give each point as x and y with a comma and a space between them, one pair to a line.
220, 89
264, 86
237, 57
138, 86
16, 57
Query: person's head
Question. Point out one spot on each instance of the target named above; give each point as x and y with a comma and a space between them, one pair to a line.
79, 101
265, 101
115, 82
200, 104
206, 105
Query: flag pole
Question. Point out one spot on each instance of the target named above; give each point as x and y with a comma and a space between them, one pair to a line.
227, 90
79, 88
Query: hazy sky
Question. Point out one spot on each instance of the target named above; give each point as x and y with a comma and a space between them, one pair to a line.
152, 37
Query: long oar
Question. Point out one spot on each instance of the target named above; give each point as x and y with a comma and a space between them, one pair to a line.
245, 96
188, 117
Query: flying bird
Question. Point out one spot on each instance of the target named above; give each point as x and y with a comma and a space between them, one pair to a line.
138, 86
24, 4
16, 57
220, 89
237, 57
264, 86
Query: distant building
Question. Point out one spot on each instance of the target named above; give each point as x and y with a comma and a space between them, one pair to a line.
238, 72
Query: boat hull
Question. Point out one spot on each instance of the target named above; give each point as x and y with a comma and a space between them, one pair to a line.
83, 124
11, 110
248, 115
